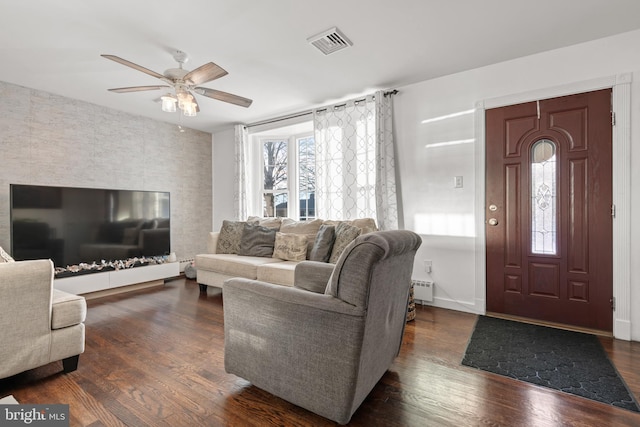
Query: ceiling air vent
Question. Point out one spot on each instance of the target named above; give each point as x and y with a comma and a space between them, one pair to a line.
330, 41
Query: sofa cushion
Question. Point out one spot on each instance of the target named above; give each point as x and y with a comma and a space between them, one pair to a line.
229, 238
323, 244
281, 273
367, 225
233, 264
271, 222
257, 240
290, 247
313, 276
345, 234
67, 309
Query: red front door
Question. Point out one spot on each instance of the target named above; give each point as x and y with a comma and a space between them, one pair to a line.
549, 210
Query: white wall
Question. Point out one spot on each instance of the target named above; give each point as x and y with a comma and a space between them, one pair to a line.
223, 177
428, 193
47, 139
446, 216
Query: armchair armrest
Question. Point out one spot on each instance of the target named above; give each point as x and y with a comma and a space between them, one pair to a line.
212, 242
26, 289
312, 276
256, 293
67, 309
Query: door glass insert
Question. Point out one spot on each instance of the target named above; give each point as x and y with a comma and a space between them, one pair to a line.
543, 198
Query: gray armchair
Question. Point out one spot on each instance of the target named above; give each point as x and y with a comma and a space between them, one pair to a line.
38, 324
323, 345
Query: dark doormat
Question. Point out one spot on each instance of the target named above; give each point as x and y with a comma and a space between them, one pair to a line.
568, 361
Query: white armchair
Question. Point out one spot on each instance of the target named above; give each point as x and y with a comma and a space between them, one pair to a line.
38, 324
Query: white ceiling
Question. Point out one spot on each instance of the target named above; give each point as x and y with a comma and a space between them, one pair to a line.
55, 46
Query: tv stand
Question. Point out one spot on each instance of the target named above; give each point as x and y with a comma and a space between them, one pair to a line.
117, 279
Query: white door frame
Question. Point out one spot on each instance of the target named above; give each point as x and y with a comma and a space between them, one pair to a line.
621, 104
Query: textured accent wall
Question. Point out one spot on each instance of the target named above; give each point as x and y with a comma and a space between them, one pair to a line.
46, 139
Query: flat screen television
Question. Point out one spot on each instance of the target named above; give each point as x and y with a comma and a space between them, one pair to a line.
85, 225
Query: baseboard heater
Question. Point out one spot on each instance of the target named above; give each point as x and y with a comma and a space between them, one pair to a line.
423, 290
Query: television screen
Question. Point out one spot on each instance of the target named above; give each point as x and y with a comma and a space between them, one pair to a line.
76, 225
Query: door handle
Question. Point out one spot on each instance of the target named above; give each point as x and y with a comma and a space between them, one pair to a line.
493, 222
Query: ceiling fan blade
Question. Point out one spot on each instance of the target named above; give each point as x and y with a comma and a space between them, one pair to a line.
135, 88
223, 96
205, 73
134, 66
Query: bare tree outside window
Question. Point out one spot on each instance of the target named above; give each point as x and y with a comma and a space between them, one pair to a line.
307, 177
288, 182
275, 178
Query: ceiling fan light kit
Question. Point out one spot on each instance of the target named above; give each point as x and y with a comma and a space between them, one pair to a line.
168, 103
183, 83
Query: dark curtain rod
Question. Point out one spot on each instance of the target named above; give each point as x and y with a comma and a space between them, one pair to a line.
306, 113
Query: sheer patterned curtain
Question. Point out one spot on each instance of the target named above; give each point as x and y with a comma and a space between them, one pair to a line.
241, 172
386, 196
355, 161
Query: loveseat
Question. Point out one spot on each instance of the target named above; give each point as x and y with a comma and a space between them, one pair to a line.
269, 249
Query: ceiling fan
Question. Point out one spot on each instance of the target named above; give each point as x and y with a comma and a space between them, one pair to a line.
183, 82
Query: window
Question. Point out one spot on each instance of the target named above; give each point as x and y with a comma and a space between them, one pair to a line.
275, 189
306, 177
543, 198
288, 165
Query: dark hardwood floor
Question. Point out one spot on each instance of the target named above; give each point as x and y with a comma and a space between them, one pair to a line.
155, 358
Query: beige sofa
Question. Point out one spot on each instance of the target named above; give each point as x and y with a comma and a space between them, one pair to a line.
242, 248
39, 324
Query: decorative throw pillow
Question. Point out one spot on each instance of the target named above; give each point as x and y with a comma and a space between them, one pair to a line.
290, 247
367, 225
257, 240
309, 228
345, 234
5, 257
271, 222
321, 250
230, 235
300, 227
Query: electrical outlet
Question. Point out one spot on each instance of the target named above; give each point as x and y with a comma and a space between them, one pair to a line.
428, 265
457, 182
